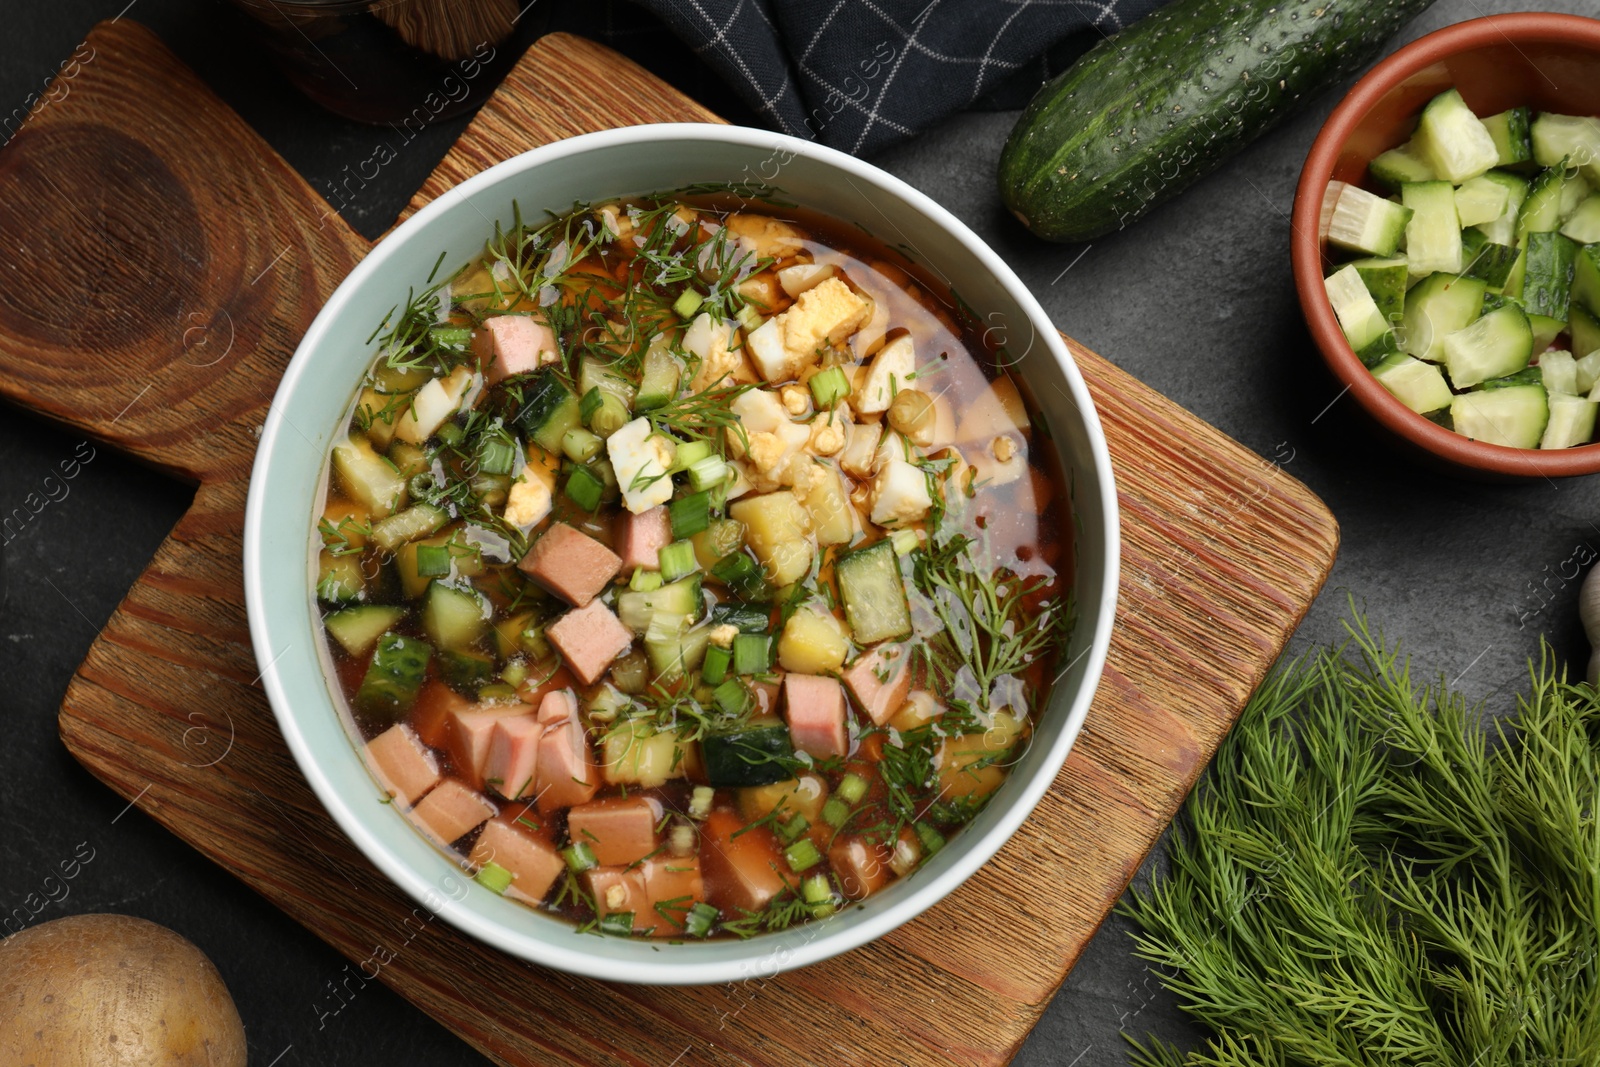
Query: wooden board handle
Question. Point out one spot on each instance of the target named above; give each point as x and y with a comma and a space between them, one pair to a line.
190, 292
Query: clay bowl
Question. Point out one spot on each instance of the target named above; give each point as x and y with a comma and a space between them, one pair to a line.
1545, 61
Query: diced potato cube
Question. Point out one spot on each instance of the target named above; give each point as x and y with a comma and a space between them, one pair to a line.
777, 528
813, 642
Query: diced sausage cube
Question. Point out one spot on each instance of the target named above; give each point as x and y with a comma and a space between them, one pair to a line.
880, 681
814, 706
659, 892
513, 756
743, 871
590, 639
533, 861
619, 889
620, 830
403, 763
571, 564
467, 733
451, 811
514, 344
567, 773
765, 690
640, 538
558, 704
862, 868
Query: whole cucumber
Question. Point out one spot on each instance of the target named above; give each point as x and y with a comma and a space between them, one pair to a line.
1160, 105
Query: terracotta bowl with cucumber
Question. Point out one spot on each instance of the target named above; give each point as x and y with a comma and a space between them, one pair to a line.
1446, 245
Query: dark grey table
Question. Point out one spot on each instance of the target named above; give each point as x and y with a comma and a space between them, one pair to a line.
1196, 300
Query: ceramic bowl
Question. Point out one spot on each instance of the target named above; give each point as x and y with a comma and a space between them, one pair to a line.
1548, 62
312, 403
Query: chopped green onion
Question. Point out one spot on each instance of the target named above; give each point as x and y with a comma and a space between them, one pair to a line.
494, 878
817, 891
749, 318
852, 787
433, 561
740, 574
687, 304
802, 855
618, 924
835, 812
731, 697
700, 919
515, 672
714, 668
644, 581
707, 473
688, 454
580, 446
689, 515
610, 416
451, 434
496, 454
905, 542
700, 801
455, 338
790, 831
752, 654
497, 693
584, 488
591, 403
580, 858
677, 560
932, 840
828, 387
420, 485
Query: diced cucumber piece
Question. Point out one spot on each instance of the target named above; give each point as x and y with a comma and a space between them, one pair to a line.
1480, 200
419, 520
358, 629
1573, 138
1558, 373
1361, 222
1355, 308
1586, 370
1498, 344
1514, 416
758, 753
1419, 386
399, 665
1586, 280
1485, 259
1386, 280
1509, 131
1545, 331
549, 409
1503, 230
339, 578
1438, 305
682, 598
1547, 284
1584, 326
659, 380
873, 593
1575, 189
1583, 225
1453, 141
1370, 356
1541, 212
368, 478
1515, 276
1433, 236
1571, 422
464, 671
1400, 165
595, 374
454, 617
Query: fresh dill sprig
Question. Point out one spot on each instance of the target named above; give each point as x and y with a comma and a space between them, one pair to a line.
703, 416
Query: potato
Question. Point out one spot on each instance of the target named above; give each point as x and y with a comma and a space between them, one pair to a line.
113, 991
777, 528
802, 796
957, 775
813, 642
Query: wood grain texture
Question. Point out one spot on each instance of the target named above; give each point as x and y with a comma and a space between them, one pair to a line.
1222, 554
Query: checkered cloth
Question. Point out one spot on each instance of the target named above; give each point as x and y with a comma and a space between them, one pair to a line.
862, 74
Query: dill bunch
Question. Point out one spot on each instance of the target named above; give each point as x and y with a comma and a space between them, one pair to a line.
1367, 876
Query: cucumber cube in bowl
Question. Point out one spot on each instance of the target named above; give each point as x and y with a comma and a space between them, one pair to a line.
1499, 344
1487, 260
1362, 222
1436, 307
1514, 415
1571, 422
1433, 236
1558, 372
1503, 230
1453, 141
1509, 131
1419, 386
1400, 165
1387, 281
1586, 280
1547, 283
1480, 200
1583, 225
1358, 313
1573, 138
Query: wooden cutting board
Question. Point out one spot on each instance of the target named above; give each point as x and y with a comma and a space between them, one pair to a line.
199, 257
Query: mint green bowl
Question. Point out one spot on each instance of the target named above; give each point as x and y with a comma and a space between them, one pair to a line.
287, 483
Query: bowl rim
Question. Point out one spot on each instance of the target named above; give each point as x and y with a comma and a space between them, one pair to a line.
649, 966
1306, 245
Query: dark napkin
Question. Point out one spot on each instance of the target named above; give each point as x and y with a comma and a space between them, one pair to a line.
860, 75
